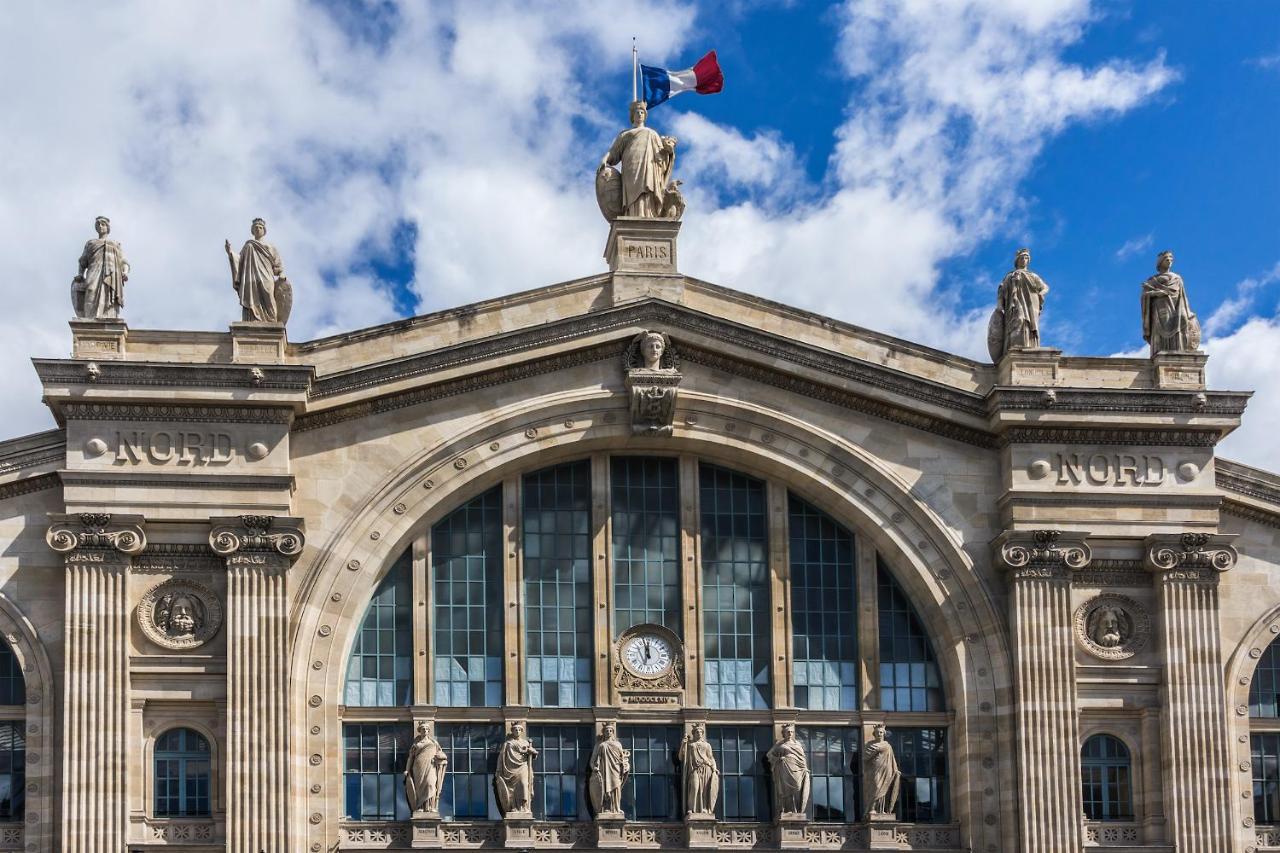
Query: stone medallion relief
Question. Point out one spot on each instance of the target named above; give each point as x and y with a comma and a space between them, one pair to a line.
1112, 627
179, 614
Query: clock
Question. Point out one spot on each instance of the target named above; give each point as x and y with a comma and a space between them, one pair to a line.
647, 654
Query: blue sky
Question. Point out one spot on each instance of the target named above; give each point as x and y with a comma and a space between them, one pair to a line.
875, 160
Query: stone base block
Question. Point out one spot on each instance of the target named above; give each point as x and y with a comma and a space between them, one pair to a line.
609, 830
517, 830
426, 833
700, 832
791, 826
884, 834
257, 343
1037, 366
642, 245
1179, 370
98, 339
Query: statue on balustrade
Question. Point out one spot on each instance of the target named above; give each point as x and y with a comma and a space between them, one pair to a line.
881, 776
1168, 323
643, 186
1015, 322
609, 766
97, 291
424, 772
791, 777
513, 781
699, 773
258, 277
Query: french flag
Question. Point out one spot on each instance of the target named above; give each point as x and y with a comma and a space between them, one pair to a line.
704, 78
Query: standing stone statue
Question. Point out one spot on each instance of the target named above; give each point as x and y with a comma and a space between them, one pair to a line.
513, 781
258, 277
1168, 323
880, 770
1015, 323
700, 774
424, 772
609, 766
791, 777
97, 291
643, 187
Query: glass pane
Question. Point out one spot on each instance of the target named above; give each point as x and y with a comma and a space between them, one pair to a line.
181, 774
834, 761
650, 792
1264, 692
379, 673
1265, 749
13, 689
646, 542
909, 677
560, 771
373, 773
744, 786
1105, 768
823, 610
468, 786
922, 758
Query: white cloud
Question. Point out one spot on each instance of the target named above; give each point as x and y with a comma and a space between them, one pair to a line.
1136, 246
1235, 307
1248, 359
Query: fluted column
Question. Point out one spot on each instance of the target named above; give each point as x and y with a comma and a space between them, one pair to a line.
1194, 737
98, 550
259, 550
1048, 734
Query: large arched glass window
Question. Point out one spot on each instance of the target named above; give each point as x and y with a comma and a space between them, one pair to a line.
1264, 740
517, 596
182, 774
1106, 773
13, 741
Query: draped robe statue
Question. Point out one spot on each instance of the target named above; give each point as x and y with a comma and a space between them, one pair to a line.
882, 776
258, 277
609, 766
1015, 323
1168, 323
700, 774
97, 291
424, 772
791, 777
513, 781
642, 186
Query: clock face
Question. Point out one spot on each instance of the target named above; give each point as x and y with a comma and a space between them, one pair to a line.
647, 655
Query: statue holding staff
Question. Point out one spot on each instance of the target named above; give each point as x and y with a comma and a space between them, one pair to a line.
258, 277
97, 291
1168, 323
424, 772
700, 774
609, 766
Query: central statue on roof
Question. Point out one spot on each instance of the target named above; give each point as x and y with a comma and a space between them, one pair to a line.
642, 184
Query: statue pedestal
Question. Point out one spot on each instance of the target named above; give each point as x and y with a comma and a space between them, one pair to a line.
100, 339
642, 256
609, 830
1181, 370
1037, 366
700, 831
791, 826
882, 832
517, 830
426, 831
257, 343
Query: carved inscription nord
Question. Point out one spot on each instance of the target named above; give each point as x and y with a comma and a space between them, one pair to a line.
1111, 469
174, 447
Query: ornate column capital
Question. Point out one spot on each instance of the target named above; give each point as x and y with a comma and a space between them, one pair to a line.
1042, 553
1190, 556
98, 530
283, 535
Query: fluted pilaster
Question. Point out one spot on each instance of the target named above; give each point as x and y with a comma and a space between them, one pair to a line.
259, 551
1040, 565
1194, 739
97, 548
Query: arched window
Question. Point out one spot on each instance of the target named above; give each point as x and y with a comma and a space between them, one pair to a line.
1106, 772
518, 595
182, 769
1264, 740
13, 741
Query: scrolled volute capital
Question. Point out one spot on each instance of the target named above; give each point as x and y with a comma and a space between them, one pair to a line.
1192, 552
282, 535
98, 530
1042, 553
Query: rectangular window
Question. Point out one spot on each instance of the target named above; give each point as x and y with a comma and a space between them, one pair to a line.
744, 784
1265, 749
823, 610
922, 758
379, 671
650, 792
472, 751
735, 589
834, 762
560, 771
466, 559
374, 756
909, 678
557, 585
13, 689
646, 542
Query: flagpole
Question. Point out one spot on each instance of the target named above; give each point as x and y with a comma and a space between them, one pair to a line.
634, 65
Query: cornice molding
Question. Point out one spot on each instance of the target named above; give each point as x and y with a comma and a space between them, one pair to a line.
1108, 436
1127, 401
196, 414
32, 450
262, 377
1249, 512
1249, 482
31, 484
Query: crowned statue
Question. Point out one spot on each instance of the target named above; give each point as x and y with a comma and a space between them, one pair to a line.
641, 186
258, 278
609, 766
513, 780
424, 772
97, 291
1015, 322
699, 773
1168, 323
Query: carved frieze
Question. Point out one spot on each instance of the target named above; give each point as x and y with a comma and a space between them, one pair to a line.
1195, 556
179, 614
652, 380
1042, 553
1112, 627
97, 530
276, 534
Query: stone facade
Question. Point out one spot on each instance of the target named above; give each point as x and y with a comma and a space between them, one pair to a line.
196, 545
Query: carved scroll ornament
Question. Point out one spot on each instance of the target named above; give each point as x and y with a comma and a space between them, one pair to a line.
1191, 551
1048, 551
97, 530
257, 533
